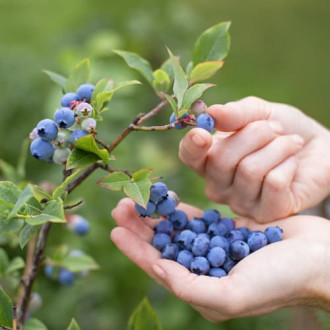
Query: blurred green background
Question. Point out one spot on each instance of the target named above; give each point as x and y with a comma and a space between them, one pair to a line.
279, 51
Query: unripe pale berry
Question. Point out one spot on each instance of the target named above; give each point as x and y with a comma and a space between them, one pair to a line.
198, 107
34, 134
88, 124
61, 155
84, 110
63, 139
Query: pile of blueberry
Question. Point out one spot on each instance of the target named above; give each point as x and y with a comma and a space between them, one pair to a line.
52, 139
203, 119
210, 245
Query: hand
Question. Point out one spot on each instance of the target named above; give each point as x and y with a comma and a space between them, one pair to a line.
295, 271
267, 160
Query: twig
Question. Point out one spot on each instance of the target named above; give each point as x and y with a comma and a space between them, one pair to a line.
152, 128
14, 317
5, 327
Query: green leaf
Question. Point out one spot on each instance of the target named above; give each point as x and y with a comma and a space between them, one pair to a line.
8, 171
4, 261
189, 68
34, 324
78, 76
124, 84
61, 188
144, 318
194, 93
213, 44
15, 264
139, 188
40, 194
9, 193
79, 159
205, 70
79, 263
6, 309
56, 78
180, 80
87, 143
23, 197
137, 63
53, 212
168, 68
114, 181
73, 325
172, 103
161, 81
103, 85
26, 234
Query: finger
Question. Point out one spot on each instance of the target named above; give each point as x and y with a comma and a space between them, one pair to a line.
194, 147
252, 170
235, 115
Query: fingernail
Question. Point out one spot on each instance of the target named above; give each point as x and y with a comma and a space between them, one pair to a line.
198, 140
276, 126
298, 139
159, 271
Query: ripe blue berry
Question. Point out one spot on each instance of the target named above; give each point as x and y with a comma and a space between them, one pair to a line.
200, 246
210, 216
77, 134
164, 226
217, 272
47, 129
85, 91
49, 271
234, 235
245, 231
178, 125
216, 256
229, 223
68, 98
158, 191
65, 277
160, 240
228, 264
199, 266
197, 225
217, 229
239, 250
204, 120
151, 208
220, 241
256, 240
170, 251
186, 239
178, 219
41, 149
166, 206
273, 234
84, 110
81, 226
64, 117
184, 258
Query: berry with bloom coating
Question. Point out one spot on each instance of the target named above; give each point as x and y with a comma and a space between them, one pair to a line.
77, 134
198, 107
186, 238
273, 234
164, 226
81, 226
220, 241
200, 266
88, 124
84, 92
65, 277
204, 120
216, 256
217, 272
178, 219
158, 191
239, 250
200, 246
210, 216
235, 235
47, 129
84, 110
160, 240
229, 223
68, 98
41, 149
180, 124
151, 208
170, 251
228, 264
64, 117
196, 225
256, 240
245, 231
184, 258
217, 229
61, 155
166, 206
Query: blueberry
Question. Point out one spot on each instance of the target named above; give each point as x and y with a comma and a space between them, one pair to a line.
186, 239
239, 250
165, 227
229, 223
88, 125
166, 206
61, 155
49, 271
176, 237
47, 129
65, 277
216, 256
41, 149
245, 231
196, 225
206, 235
211, 216
200, 246
217, 228
184, 258
178, 219
85, 91
77, 134
158, 191
64, 117
160, 240
170, 251
68, 98
84, 110
235, 235
151, 208
217, 272
204, 120
199, 266
198, 107
180, 124
273, 234
256, 240
220, 241
229, 264
81, 226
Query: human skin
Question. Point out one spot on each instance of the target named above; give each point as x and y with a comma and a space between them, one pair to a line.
266, 160
292, 272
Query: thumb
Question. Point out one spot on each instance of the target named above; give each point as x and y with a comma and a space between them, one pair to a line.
235, 115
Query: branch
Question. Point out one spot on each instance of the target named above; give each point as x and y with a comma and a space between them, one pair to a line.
152, 128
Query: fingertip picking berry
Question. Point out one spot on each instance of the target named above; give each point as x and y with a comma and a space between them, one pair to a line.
47, 129
205, 121
41, 149
64, 117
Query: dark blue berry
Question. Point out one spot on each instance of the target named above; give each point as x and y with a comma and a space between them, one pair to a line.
229, 264
178, 125
256, 240
47, 129
81, 226
160, 240
166, 206
186, 239
165, 227
229, 223
217, 228
151, 208
211, 216
235, 235
65, 277
170, 251
204, 120
199, 265
239, 250
216, 256
245, 231
158, 191
184, 258
178, 219
64, 117
41, 149
196, 225
220, 241
200, 246
273, 234
85, 91
68, 98
217, 272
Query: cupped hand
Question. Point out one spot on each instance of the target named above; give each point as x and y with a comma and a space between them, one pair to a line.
295, 271
266, 160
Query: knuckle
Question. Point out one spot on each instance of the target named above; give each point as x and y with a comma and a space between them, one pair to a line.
248, 170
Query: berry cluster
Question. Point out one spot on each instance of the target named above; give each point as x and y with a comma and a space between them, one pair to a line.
210, 245
52, 140
202, 119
